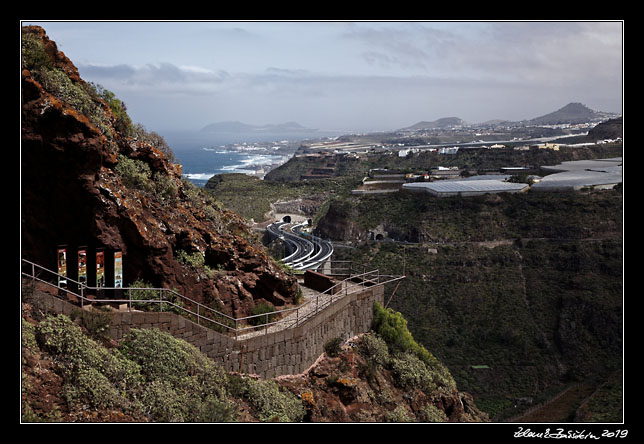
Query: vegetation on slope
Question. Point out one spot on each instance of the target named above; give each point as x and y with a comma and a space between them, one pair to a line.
527, 286
149, 377
72, 372
252, 197
415, 217
518, 294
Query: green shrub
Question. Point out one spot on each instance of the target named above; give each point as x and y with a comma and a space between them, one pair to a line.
195, 260
263, 308
166, 402
28, 414
91, 386
77, 95
392, 327
272, 403
399, 414
431, 413
411, 372
152, 373
91, 373
28, 335
123, 123
374, 349
411, 364
162, 356
34, 57
153, 139
134, 173
62, 338
182, 384
166, 189
193, 193
333, 347
162, 402
141, 291
97, 324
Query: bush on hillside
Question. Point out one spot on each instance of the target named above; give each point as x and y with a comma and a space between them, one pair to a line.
123, 123
333, 346
134, 173
411, 364
182, 384
391, 326
374, 348
92, 374
151, 374
271, 403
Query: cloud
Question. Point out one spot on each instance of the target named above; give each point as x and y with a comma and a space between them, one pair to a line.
383, 76
551, 52
107, 71
165, 77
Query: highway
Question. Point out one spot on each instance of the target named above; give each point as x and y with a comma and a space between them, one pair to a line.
308, 251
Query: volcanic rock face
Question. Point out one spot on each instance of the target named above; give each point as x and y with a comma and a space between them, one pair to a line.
350, 388
74, 193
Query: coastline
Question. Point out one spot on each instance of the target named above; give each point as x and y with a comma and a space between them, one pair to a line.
204, 155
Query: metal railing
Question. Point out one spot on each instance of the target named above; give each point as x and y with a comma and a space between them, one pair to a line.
353, 284
139, 298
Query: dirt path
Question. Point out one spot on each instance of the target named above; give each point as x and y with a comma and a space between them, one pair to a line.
560, 409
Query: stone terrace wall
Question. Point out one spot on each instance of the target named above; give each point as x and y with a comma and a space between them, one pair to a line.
290, 351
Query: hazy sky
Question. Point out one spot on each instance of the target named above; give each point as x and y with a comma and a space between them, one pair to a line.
348, 76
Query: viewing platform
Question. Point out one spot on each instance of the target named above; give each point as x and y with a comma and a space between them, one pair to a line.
338, 303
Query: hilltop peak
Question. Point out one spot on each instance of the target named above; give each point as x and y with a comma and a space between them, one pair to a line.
573, 112
443, 122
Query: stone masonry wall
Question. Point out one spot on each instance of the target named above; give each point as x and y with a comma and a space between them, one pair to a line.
290, 351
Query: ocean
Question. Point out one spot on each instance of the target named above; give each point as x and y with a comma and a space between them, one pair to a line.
203, 155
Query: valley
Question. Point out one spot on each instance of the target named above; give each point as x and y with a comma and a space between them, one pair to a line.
505, 307
519, 294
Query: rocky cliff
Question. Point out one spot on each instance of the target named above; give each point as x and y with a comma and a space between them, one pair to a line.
531, 285
73, 373
357, 385
89, 177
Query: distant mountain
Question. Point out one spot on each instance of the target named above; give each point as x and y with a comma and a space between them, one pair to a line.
444, 122
571, 113
239, 127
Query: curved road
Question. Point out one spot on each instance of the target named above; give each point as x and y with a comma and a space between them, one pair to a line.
309, 252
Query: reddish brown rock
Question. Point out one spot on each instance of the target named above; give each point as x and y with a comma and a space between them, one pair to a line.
72, 195
347, 388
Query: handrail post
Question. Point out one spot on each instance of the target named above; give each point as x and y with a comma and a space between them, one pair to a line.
129, 293
198, 315
160, 299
